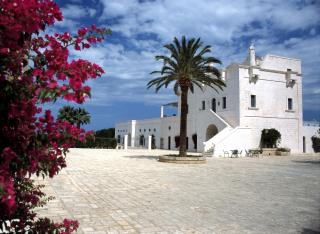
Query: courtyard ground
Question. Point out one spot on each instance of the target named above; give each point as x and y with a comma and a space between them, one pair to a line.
113, 191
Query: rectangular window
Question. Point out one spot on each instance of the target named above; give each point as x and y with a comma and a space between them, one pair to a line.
290, 107
253, 100
203, 105
224, 102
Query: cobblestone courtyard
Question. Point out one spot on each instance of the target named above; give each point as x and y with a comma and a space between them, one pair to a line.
111, 191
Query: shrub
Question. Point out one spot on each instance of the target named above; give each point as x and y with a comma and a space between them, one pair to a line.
270, 138
103, 139
316, 142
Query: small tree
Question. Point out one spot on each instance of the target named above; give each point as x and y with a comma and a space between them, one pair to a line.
270, 138
316, 142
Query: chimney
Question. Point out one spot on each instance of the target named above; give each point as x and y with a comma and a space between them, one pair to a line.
161, 112
252, 55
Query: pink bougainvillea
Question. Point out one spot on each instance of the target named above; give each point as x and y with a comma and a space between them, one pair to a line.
33, 70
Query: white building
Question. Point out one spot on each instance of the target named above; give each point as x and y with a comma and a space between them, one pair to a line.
261, 93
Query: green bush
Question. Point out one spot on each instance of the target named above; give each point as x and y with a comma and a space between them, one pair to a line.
270, 138
103, 139
316, 142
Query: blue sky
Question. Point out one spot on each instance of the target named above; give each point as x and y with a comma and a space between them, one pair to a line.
141, 27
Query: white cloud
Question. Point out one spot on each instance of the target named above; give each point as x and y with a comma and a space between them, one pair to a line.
72, 14
217, 20
74, 11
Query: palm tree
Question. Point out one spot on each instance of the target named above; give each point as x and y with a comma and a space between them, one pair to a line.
187, 66
76, 116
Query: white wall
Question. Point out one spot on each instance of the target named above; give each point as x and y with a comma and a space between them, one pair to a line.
147, 128
272, 95
122, 129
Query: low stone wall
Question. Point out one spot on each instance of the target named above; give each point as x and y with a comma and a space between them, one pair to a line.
182, 160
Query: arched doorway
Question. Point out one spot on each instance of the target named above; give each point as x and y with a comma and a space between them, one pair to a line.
153, 142
195, 140
212, 130
141, 140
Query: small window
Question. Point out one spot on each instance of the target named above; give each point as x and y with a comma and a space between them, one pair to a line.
290, 106
224, 102
144, 130
154, 129
203, 105
140, 130
149, 130
253, 100
169, 127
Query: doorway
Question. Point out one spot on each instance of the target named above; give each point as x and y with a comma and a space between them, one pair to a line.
213, 105
212, 130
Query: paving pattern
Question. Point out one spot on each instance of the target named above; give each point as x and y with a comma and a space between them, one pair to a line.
113, 191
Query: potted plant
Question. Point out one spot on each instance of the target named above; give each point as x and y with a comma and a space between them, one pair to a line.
270, 138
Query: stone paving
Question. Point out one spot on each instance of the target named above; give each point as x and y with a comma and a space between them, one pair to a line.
113, 191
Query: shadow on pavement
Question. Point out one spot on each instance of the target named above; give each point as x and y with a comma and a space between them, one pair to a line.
143, 157
309, 231
316, 162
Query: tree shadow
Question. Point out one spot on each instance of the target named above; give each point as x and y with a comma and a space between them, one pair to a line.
143, 157
309, 231
315, 162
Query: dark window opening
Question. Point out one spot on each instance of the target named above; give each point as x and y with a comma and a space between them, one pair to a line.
213, 105
177, 141
203, 105
224, 102
290, 106
253, 100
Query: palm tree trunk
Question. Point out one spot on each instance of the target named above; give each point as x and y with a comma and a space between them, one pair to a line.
183, 121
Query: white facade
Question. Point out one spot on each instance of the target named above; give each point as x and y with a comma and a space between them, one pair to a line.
261, 93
